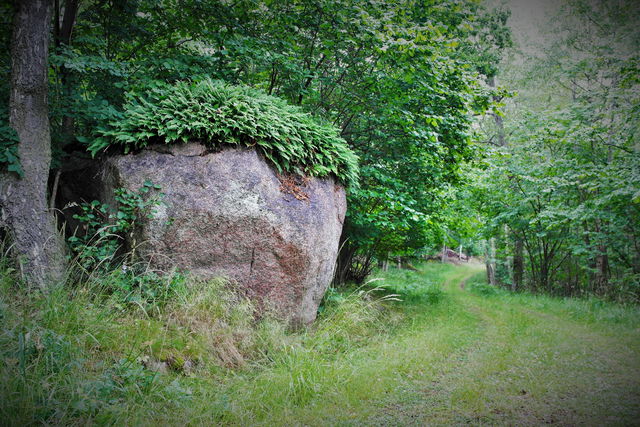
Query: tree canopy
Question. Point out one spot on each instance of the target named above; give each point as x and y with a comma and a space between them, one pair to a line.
566, 184
401, 81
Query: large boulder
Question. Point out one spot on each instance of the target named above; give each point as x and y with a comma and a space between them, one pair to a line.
230, 214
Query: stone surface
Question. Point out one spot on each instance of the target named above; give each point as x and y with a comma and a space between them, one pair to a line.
229, 214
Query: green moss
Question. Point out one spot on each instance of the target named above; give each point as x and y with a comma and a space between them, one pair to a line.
217, 114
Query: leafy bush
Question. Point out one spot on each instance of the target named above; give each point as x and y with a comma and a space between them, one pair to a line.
146, 289
421, 291
215, 113
104, 229
410, 286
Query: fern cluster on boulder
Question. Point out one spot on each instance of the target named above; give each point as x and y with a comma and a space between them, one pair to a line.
217, 114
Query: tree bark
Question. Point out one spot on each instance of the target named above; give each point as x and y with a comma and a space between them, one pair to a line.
601, 263
63, 31
490, 262
344, 260
502, 140
37, 244
518, 263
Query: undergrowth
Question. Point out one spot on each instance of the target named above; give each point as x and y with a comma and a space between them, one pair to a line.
412, 286
217, 114
99, 241
121, 345
589, 309
85, 354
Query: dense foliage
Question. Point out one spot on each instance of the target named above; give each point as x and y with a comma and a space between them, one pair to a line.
561, 198
400, 80
215, 114
403, 83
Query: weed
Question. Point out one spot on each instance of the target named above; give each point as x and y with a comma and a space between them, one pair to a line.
483, 289
216, 113
103, 229
410, 286
146, 289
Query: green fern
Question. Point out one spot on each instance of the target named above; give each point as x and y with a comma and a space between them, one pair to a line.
216, 114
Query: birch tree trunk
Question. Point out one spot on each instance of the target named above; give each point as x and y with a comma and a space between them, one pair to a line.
490, 262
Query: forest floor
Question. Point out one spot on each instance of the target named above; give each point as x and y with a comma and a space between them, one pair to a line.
419, 350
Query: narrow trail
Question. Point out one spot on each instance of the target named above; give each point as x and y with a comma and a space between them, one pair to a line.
522, 366
479, 357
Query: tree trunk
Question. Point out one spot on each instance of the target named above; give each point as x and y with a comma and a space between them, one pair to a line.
502, 140
518, 263
345, 261
601, 262
63, 31
602, 271
23, 200
490, 262
544, 275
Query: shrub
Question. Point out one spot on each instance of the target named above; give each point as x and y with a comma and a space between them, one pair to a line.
104, 228
147, 289
217, 114
410, 286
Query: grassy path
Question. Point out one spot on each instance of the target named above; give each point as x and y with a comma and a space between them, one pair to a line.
489, 357
527, 366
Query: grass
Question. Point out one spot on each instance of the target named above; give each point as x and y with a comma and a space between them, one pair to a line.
534, 360
410, 349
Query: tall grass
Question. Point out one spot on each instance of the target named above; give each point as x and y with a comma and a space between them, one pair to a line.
87, 353
99, 351
590, 310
